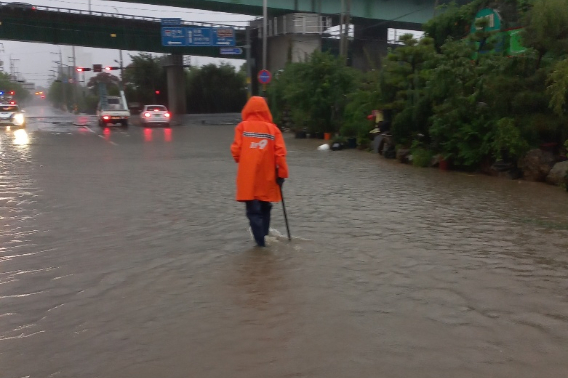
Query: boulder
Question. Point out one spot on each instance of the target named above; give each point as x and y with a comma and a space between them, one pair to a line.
558, 173
536, 165
402, 155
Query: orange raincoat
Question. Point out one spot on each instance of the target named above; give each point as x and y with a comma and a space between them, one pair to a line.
259, 149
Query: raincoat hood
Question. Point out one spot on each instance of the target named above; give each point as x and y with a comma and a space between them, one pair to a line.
256, 109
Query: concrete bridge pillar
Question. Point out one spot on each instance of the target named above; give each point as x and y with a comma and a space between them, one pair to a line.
176, 84
291, 38
369, 47
291, 48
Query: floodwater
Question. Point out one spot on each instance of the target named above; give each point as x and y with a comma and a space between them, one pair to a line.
123, 254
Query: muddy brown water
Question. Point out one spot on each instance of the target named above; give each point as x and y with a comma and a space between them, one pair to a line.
123, 254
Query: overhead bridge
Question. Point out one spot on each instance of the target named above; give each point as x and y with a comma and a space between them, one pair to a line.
61, 26
412, 13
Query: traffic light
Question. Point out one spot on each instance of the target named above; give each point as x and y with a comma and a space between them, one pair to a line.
97, 68
82, 69
109, 68
12, 93
157, 92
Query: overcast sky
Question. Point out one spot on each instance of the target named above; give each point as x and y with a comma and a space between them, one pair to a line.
36, 59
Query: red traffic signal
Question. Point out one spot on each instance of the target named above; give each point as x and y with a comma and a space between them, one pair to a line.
109, 68
82, 69
12, 93
157, 92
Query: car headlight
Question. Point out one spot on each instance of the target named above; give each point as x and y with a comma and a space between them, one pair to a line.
19, 119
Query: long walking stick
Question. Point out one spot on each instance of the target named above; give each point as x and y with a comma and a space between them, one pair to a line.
285, 215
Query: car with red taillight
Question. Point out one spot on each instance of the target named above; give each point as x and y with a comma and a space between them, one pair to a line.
155, 115
112, 110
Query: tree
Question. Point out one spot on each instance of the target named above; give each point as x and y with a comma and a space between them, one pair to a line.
452, 22
406, 73
558, 89
315, 91
7, 85
547, 28
60, 93
111, 82
216, 89
143, 77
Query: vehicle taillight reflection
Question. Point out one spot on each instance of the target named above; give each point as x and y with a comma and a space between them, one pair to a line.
147, 135
168, 135
147, 115
167, 115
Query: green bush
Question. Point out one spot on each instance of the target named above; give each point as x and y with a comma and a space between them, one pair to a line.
421, 157
316, 90
507, 139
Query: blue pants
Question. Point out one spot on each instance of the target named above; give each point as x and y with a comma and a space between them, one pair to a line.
258, 213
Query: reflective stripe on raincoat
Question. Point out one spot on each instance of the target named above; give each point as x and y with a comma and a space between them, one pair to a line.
259, 149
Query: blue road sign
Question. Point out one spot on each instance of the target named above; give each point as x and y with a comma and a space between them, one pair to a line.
198, 37
171, 21
230, 51
264, 77
189, 36
223, 37
173, 36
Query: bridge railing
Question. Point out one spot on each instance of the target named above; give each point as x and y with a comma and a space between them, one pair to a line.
114, 15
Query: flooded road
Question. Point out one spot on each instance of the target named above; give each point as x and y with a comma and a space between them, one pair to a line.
123, 254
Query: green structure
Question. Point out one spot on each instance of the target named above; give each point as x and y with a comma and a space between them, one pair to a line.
103, 30
508, 40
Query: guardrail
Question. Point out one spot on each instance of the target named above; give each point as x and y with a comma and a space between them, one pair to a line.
115, 15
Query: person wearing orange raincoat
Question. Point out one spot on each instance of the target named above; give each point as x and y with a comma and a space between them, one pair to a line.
260, 151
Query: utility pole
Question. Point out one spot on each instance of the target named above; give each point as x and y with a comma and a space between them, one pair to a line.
62, 80
13, 68
120, 53
121, 71
264, 39
1, 61
264, 32
341, 17
249, 62
74, 70
347, 24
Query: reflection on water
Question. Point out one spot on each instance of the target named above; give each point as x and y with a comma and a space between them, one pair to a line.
21, 137
106, 133
147, 134
168, 134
